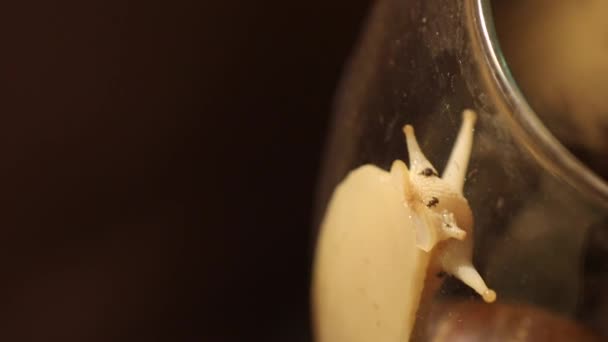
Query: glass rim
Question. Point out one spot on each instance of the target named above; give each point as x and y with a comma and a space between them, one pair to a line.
527, 126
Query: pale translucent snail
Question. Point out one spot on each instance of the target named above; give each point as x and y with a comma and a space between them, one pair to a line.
384, 238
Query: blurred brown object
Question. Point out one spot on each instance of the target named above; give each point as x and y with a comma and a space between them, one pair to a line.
593, 310
473, 321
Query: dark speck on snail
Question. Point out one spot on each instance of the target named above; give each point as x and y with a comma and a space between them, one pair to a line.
428, 172
433, 202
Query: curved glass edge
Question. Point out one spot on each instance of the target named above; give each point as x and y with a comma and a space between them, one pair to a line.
528, 128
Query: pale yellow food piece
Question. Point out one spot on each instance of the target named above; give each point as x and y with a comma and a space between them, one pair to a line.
369, 272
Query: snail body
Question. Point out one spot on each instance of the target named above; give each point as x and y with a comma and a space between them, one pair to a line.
385, 236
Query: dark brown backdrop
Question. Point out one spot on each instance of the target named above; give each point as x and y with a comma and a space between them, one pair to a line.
158, 163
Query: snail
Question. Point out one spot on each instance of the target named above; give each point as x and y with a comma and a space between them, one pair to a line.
384, 239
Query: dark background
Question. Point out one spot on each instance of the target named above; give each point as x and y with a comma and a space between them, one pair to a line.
158, 165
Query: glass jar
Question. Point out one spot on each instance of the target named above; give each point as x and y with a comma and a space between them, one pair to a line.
540, 233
